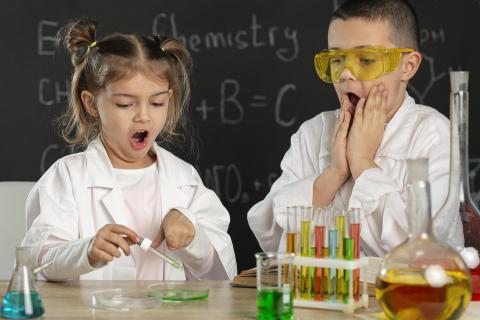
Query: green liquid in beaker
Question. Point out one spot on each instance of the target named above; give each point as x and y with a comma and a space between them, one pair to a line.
13, 306
274, 304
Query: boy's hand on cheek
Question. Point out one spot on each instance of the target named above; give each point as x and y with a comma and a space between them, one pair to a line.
339, 164
176, 230
367, 130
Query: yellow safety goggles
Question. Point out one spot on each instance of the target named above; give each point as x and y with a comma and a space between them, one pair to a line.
366, 63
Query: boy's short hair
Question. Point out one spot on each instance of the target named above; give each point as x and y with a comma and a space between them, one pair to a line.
399, 13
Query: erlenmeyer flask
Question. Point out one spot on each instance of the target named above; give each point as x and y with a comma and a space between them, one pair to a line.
422, 278
22, 300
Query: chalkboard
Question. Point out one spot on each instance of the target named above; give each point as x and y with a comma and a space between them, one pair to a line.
253, 81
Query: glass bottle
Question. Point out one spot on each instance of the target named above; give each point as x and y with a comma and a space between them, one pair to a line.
22, 300
422, 278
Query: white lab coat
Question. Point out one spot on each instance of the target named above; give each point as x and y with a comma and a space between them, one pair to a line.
415, 131
79, 194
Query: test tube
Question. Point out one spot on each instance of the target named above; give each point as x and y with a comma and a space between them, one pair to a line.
325, 253
305, 250
332, 239
311, 270
349, 248
319, 219
292, 238
355, 235
340, 224
292, 229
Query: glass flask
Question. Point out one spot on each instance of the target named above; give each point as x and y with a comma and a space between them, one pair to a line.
469, 211
22, 299
422, 278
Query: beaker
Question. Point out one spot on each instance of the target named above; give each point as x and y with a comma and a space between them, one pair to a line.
274, 285
422, 278
22, 300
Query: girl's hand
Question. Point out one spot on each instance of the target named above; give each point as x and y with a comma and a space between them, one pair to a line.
176, 230
339, 165
367, 130
108, 239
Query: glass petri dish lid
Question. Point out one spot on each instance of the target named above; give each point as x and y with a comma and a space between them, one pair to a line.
124, 299
178, 291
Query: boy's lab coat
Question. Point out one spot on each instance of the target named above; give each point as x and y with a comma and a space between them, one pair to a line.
415, 131
79, 194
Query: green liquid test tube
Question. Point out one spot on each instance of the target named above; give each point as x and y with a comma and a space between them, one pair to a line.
349, 245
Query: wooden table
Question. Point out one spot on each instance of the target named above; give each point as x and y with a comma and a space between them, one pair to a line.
71, 300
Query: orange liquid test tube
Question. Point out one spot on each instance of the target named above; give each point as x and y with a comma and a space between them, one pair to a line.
355, 234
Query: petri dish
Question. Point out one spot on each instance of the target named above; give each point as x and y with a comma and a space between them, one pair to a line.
124, 299
178, 292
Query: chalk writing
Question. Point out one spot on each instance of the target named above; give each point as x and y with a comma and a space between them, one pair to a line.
232, 108
284, 40
432, 35
52, 92
47, 31
433, 78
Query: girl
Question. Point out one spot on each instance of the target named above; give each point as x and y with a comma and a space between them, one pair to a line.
89, 210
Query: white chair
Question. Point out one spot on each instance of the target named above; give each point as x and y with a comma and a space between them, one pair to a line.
12, 222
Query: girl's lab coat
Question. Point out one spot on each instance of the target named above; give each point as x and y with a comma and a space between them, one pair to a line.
415, 131
78, 195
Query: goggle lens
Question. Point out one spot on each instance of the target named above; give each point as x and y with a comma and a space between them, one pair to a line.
365, 64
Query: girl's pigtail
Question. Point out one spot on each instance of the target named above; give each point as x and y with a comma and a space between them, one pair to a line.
77, 126
78, 37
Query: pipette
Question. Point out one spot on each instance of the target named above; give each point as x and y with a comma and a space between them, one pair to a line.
146, 245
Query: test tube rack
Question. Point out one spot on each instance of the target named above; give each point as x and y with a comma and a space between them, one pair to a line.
347, 307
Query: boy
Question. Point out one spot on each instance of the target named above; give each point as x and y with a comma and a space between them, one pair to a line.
353, 157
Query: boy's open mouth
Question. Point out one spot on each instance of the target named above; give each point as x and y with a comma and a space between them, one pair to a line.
353, 98
354, 101
139, 139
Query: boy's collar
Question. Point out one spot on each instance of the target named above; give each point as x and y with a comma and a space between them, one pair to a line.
391, 146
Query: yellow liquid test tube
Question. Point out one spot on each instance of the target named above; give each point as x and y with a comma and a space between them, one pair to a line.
292, 241
305, 283
306, 243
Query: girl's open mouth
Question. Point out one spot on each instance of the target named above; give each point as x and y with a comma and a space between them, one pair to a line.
139, 140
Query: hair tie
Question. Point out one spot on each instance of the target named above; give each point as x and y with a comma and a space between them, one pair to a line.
93, 44
163, 50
